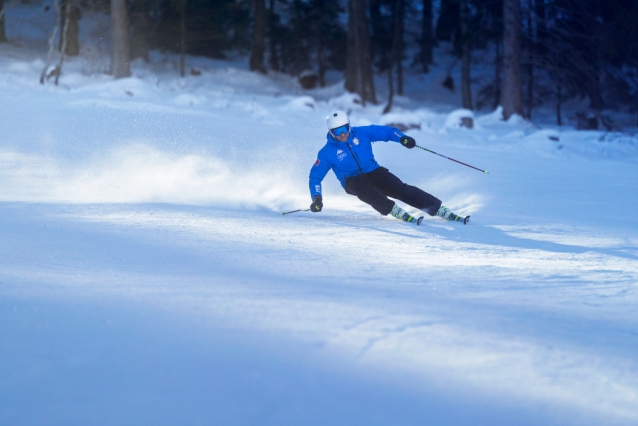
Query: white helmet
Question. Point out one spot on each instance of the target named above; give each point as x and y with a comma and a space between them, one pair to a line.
337, 119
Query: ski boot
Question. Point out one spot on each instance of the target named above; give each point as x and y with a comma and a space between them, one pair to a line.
399, 213
448, 214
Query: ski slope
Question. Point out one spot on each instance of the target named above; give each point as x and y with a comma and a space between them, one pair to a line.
148, 277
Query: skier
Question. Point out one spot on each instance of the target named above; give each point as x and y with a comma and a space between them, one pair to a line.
348, 152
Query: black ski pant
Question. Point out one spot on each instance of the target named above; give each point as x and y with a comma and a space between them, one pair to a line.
375, 187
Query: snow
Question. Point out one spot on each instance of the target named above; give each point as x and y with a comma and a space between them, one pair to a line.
148, 277
454, 119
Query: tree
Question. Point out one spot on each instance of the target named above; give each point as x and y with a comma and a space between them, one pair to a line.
398, 43
329, 40
140, 29
396, 53
213, 27
426, 55
260, 18
511, 92
489, 27
69, 37
466, 55
381, 37
181, 6
275, 31
120, 50
359, 77
3, 33
298, 38
447, 25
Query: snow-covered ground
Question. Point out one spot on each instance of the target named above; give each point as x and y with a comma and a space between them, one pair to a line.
148, 277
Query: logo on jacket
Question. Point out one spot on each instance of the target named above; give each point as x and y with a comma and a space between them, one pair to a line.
341, 155
317, 162
355, 141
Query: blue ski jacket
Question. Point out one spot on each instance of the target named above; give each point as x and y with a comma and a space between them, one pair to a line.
352, 157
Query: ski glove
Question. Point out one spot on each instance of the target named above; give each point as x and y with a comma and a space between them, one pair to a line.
317, 204
408, 142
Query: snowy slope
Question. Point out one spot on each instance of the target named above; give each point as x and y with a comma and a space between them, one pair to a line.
147, 277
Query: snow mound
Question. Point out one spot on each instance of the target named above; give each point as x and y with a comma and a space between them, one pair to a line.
495, 117
346, 102
401, 120
302, 103
457, 119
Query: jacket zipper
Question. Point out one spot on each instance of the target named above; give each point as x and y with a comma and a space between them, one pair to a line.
356, 160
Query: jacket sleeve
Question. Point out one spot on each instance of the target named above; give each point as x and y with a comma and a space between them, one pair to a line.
317, 173
384, 134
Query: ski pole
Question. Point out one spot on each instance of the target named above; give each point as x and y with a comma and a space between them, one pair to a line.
460, 162
295, 211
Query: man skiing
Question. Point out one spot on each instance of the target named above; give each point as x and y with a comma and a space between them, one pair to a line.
348, 152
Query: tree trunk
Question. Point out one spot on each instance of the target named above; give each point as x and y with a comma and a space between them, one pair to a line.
69, 38
381, 36
427, 37
352, 58
395, 54
120, 53
511, 93
256, 62
541, 30
359, 77
388, 107
299, 48
321, 66
531, 52
140, 30
498, 63
559, 103
272, 17
466, 57
3, 33
182, 41
46, 74
400, 10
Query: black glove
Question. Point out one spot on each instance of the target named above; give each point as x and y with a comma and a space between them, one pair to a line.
317, 204
408, 142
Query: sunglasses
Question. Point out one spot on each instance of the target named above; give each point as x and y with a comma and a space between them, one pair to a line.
340, 130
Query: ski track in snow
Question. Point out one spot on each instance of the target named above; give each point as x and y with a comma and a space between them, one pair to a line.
147, 277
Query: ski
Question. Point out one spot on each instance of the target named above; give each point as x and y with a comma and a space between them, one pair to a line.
456, 218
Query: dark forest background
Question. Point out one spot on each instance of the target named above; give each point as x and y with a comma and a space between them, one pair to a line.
545, 51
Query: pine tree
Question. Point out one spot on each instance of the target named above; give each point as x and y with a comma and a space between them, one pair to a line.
359, 76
